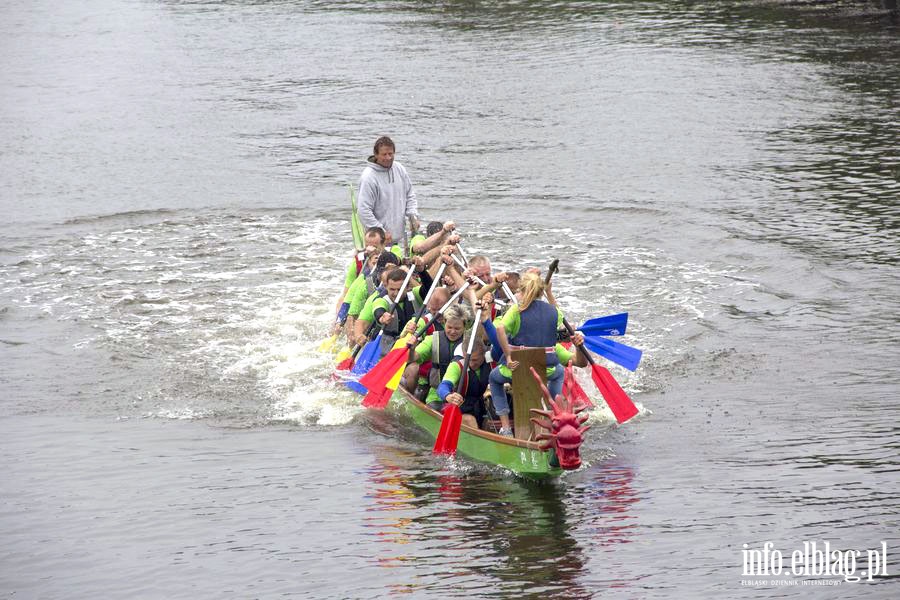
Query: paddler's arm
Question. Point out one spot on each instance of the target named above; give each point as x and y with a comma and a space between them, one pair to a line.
380, 311
359, 331
424, 277
565, 355
492, 287
504, 346
423, 350
453, 271
434, 240
443, 257
511, 323
448, 384
491, 332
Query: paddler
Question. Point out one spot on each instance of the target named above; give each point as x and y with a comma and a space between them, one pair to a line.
530, 324
394, 320
471, 401
366, 288
415, 376
438, 349
374, 245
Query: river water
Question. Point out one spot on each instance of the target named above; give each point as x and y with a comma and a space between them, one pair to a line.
173, 187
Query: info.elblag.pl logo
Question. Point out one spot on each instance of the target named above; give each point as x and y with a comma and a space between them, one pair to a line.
814, 559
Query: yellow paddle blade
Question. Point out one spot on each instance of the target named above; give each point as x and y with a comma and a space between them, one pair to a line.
328, 344
344, 354
401, 342
394, 383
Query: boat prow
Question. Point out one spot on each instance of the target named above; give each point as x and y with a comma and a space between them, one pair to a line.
523, 457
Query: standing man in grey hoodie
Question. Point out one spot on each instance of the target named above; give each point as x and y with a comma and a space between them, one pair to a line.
386, 196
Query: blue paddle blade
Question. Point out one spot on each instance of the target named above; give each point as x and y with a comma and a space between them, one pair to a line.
356, 387
620, 354
368, 358
342, 313
611, 325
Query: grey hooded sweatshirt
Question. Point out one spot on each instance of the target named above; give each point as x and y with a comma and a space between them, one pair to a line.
386, 198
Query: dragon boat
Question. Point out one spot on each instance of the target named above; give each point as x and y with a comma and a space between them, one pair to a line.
548, 432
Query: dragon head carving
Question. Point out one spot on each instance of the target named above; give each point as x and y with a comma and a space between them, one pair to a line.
564, 427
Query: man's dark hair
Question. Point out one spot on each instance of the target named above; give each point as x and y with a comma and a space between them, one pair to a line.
384, 141
433, 228
377, 230
386, 257
397, 275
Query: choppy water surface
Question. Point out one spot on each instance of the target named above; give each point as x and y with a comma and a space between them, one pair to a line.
173, 187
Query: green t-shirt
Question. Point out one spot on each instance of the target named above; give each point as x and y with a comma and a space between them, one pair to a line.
423, 350
368, 310
564, 355
453, 374
357, 296
352, 273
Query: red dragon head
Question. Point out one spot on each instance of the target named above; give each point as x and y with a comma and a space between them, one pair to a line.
564, 427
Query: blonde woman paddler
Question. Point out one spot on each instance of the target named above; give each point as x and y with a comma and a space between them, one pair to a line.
530, 324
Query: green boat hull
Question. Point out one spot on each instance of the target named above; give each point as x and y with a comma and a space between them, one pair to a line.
519, 456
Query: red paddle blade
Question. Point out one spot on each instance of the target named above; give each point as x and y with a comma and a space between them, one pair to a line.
574, 390
448, 436
619, 402
345, 365
386, 368
378, 398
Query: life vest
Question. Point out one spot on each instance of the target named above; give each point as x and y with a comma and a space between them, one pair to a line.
474, 389
537, 329
442, 350
405, 310
425, 367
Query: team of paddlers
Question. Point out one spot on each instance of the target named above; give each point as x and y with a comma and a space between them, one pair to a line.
428, 295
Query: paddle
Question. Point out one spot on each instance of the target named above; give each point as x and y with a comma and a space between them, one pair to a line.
618, 401
379, 397
383, 374
392, 360
448, 436
347, 363
610, 325
574, 391
619, 353
463, 254
367, 359
356, 227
